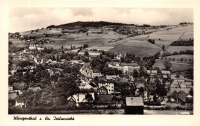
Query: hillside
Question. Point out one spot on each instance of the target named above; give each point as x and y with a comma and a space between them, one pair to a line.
87, 24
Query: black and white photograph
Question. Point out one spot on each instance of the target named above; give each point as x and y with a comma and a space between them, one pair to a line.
100, 60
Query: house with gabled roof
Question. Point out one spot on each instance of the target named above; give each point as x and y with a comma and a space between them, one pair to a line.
134, 105
81, 98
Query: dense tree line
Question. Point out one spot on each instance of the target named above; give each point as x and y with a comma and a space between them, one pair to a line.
181, 42
87, 24
188, 52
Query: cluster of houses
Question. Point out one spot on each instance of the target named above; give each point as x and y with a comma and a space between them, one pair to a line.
106, 89
35, 47
106, 84
15, 90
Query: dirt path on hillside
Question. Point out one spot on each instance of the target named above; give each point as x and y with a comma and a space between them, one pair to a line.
182, 35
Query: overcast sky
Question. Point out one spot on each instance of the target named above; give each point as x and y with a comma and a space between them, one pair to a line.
23, 19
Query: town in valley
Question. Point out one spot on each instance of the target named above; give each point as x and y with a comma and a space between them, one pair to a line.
100, 67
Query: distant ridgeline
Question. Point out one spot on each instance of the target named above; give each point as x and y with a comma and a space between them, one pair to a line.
86, 24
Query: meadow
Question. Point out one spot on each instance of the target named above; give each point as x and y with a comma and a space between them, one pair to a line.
184, 56
166, 37
172, 49
175, 66
180, 67
137, 44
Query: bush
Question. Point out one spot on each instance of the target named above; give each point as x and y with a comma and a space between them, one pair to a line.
152, 41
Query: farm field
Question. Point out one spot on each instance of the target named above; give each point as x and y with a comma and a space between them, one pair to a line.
181, 66
137, 50
138, 47
17, 42
136, 44
100, 48
172, 49
175, 66
182, 56
187, 35
66, 40
167, 37
139, 37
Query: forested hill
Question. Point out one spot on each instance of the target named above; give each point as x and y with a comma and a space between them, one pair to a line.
86, 24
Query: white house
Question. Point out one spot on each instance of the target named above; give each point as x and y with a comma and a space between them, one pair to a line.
80, 98
108, 85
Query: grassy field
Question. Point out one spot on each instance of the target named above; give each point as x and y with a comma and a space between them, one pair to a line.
172, 49
66, 40
178, 66
100, 48
137, 50
175, 66
182, 56
140, 37
137, 44
166, 37
17, 42
187, 35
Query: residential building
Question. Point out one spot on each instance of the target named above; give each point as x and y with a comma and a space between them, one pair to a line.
102, 91
81, 98
109, 85
179, 86
88, 72
34, 89
10, 88
124, 67
134, 105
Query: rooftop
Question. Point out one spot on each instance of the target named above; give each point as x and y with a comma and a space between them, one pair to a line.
134, 101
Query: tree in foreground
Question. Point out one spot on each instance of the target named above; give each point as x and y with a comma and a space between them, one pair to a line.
86, 53
167, 64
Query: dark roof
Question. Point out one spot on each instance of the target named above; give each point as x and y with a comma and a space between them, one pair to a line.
92, 84
189, 99
123, 80
129, 64
18, 85
134, 101
182, 96
12, 95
